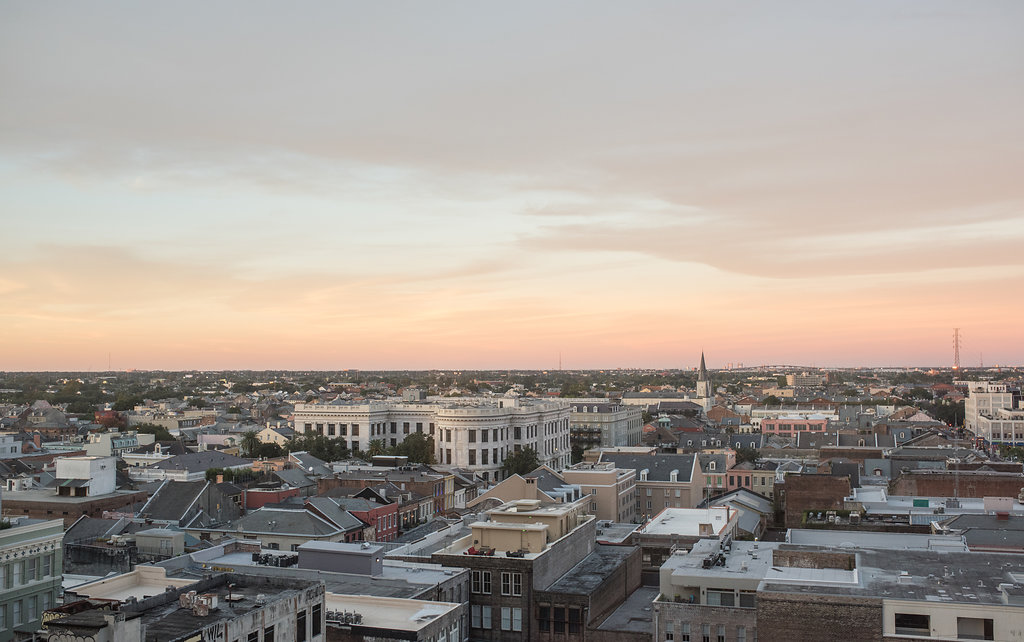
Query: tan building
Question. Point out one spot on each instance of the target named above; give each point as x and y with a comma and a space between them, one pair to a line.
612, 490
664, 480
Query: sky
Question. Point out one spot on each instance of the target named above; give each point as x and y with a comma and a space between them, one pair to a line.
398, 185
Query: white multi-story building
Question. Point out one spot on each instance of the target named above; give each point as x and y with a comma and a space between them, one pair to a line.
984, 398
597, 422
472, 433
1002, 426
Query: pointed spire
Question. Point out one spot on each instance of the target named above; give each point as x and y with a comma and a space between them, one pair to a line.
702, 374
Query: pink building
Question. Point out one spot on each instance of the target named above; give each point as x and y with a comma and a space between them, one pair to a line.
790, 426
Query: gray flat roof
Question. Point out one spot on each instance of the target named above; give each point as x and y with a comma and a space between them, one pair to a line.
635, 614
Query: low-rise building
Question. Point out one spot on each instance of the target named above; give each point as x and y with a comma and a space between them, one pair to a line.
224, 606
868, 591
31, 567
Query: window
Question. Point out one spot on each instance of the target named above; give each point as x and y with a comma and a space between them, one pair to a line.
544, 618
472, 458
721, 598
355, 430
253, 637
517, 619
330, 430
913, 624
448, 435
721, 633
45, 602
17, 574
474, 616
485, 613
574, 620
318, 610
974, 628
511, 583
300, 626
685, 632
268, 634
472, 436
748, 599
559, 619
480, 582
16, 613
669, 636
741, 633
3, 616
506, 618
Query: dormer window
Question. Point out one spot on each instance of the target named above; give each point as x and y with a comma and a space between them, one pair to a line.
711, 465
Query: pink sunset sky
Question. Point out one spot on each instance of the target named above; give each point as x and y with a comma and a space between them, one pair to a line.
488, 185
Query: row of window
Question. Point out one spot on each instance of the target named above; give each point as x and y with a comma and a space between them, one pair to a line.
481, 618
24, 610
511, 583
709, 633
25, 571
559, 619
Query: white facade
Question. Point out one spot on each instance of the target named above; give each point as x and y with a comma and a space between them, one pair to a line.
1002, 426
984, 398
472, 433
101, 472
596, 422
9, 446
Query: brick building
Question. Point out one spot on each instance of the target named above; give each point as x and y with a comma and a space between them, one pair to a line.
802, 492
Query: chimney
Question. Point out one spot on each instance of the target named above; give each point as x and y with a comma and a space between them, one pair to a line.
220, 479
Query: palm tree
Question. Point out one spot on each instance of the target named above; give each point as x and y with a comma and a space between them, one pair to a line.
375, 447
250, 442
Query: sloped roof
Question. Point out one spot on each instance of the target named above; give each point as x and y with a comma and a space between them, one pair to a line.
547, 480
659, 467
284, 521
294, 477
200, 461
334, 513
172, 500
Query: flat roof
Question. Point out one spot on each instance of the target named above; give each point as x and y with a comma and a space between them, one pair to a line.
636, 613
389, 612
882, 572
867, 539
686, 521
50, 496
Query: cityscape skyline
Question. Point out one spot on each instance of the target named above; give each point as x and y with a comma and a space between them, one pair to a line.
470, 187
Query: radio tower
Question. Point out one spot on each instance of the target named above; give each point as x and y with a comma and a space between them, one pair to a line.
956, 348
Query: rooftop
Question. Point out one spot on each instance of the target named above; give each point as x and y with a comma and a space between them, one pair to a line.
388, 612
686, 521
635, 614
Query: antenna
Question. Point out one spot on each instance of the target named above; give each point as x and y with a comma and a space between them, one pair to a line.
956, 348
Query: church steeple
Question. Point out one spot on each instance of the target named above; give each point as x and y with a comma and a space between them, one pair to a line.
705, 393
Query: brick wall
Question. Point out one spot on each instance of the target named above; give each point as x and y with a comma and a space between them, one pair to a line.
813, 559
670, 617
946, 483
57, 509
801, 493
793, 617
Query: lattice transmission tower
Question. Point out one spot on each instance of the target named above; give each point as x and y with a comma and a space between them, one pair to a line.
956, 348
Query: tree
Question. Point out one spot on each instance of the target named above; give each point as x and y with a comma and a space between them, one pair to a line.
234, 410
577, 454
747, 454
521, 462
771, 400
418, 447
161, 433
376, 447
250, 443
